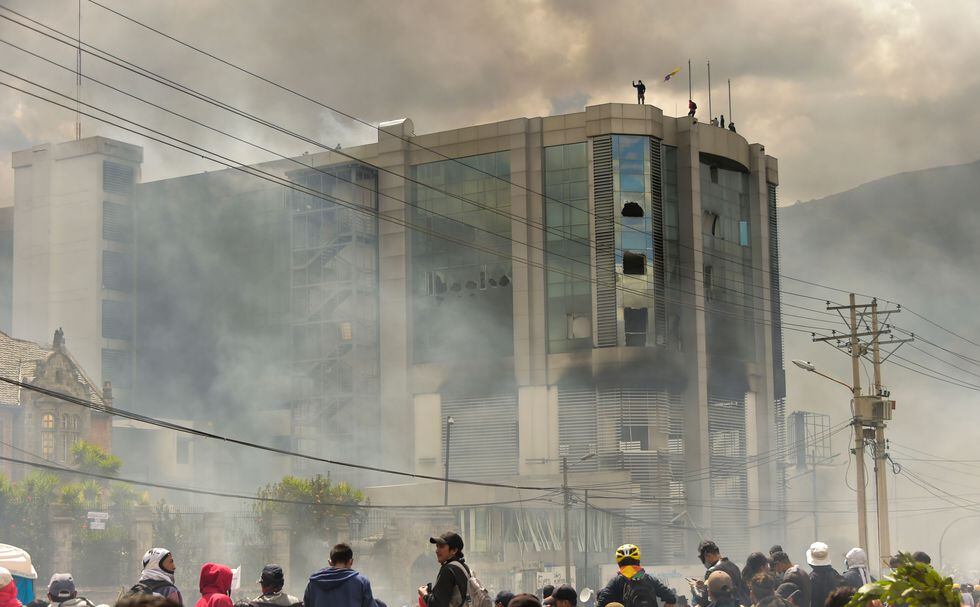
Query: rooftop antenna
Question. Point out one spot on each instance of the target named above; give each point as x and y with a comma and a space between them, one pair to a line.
731, 116
78, 78
710, 113
690, 89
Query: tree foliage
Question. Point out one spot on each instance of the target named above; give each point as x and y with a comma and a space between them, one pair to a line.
323, 508
912, 584
94, 459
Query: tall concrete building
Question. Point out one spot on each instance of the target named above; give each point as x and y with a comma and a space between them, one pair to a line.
622, 299
73, 262
602, 282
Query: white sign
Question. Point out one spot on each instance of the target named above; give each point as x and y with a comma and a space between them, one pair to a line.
96, 525
236, 578
554, 576
99, 516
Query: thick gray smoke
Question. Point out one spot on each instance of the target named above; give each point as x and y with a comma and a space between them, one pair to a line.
910, 238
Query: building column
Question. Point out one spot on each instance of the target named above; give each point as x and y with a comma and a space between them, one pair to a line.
60, 521
281, 546
693, 329
214, 536
141, 538
393, 271
762, 422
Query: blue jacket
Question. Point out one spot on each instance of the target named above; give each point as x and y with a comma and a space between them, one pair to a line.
332, 587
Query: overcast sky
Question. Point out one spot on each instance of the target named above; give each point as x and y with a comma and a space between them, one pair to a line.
843, 92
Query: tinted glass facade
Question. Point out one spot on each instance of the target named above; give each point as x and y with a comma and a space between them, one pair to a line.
727, 272
462, 296
634, 236
566, 181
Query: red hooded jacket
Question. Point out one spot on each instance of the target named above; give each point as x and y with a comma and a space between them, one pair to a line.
8, 596
215, 586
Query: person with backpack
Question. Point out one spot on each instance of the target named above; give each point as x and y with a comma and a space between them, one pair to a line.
632, 586
339, 585
62, 592
455, 583
272, 581
157, 576
823, 577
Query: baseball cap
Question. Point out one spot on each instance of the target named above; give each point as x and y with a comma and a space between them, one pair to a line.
272, 576
61, 587
449, 538
565, 593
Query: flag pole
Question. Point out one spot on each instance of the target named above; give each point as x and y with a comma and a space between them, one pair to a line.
710, 114
690, 90
730, 117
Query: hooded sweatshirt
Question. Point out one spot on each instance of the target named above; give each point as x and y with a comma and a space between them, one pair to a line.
857, 573
335, 587
8, 594
215, 586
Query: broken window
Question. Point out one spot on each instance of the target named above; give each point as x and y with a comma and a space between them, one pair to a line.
632, 209
634, 263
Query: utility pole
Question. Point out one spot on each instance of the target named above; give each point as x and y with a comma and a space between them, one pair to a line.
568, 507
881, 481
862, 503
584, 582
449, 428
871, 412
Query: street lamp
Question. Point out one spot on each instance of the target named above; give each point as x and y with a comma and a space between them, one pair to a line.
808, 366
568, 507
858, 453
943, 535
449, 426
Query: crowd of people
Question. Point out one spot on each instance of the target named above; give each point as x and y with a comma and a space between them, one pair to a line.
766, 580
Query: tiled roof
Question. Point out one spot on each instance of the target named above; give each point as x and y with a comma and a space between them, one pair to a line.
18, 360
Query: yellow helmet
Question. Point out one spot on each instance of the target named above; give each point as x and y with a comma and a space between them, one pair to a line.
627, 551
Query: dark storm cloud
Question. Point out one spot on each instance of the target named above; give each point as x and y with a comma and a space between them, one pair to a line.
843, 92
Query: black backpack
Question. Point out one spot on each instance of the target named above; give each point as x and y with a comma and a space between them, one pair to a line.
639, 592
148, 586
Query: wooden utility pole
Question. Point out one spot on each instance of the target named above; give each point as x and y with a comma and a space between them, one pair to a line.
870, 412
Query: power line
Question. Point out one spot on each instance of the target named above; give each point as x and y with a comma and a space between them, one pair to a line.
187, 90
939, 326
407, 140
935, 345
256, 172
236, 441
244, 496
374, 191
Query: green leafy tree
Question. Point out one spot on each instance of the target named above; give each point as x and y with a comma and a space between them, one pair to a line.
324, 510
912, 584
94, 459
